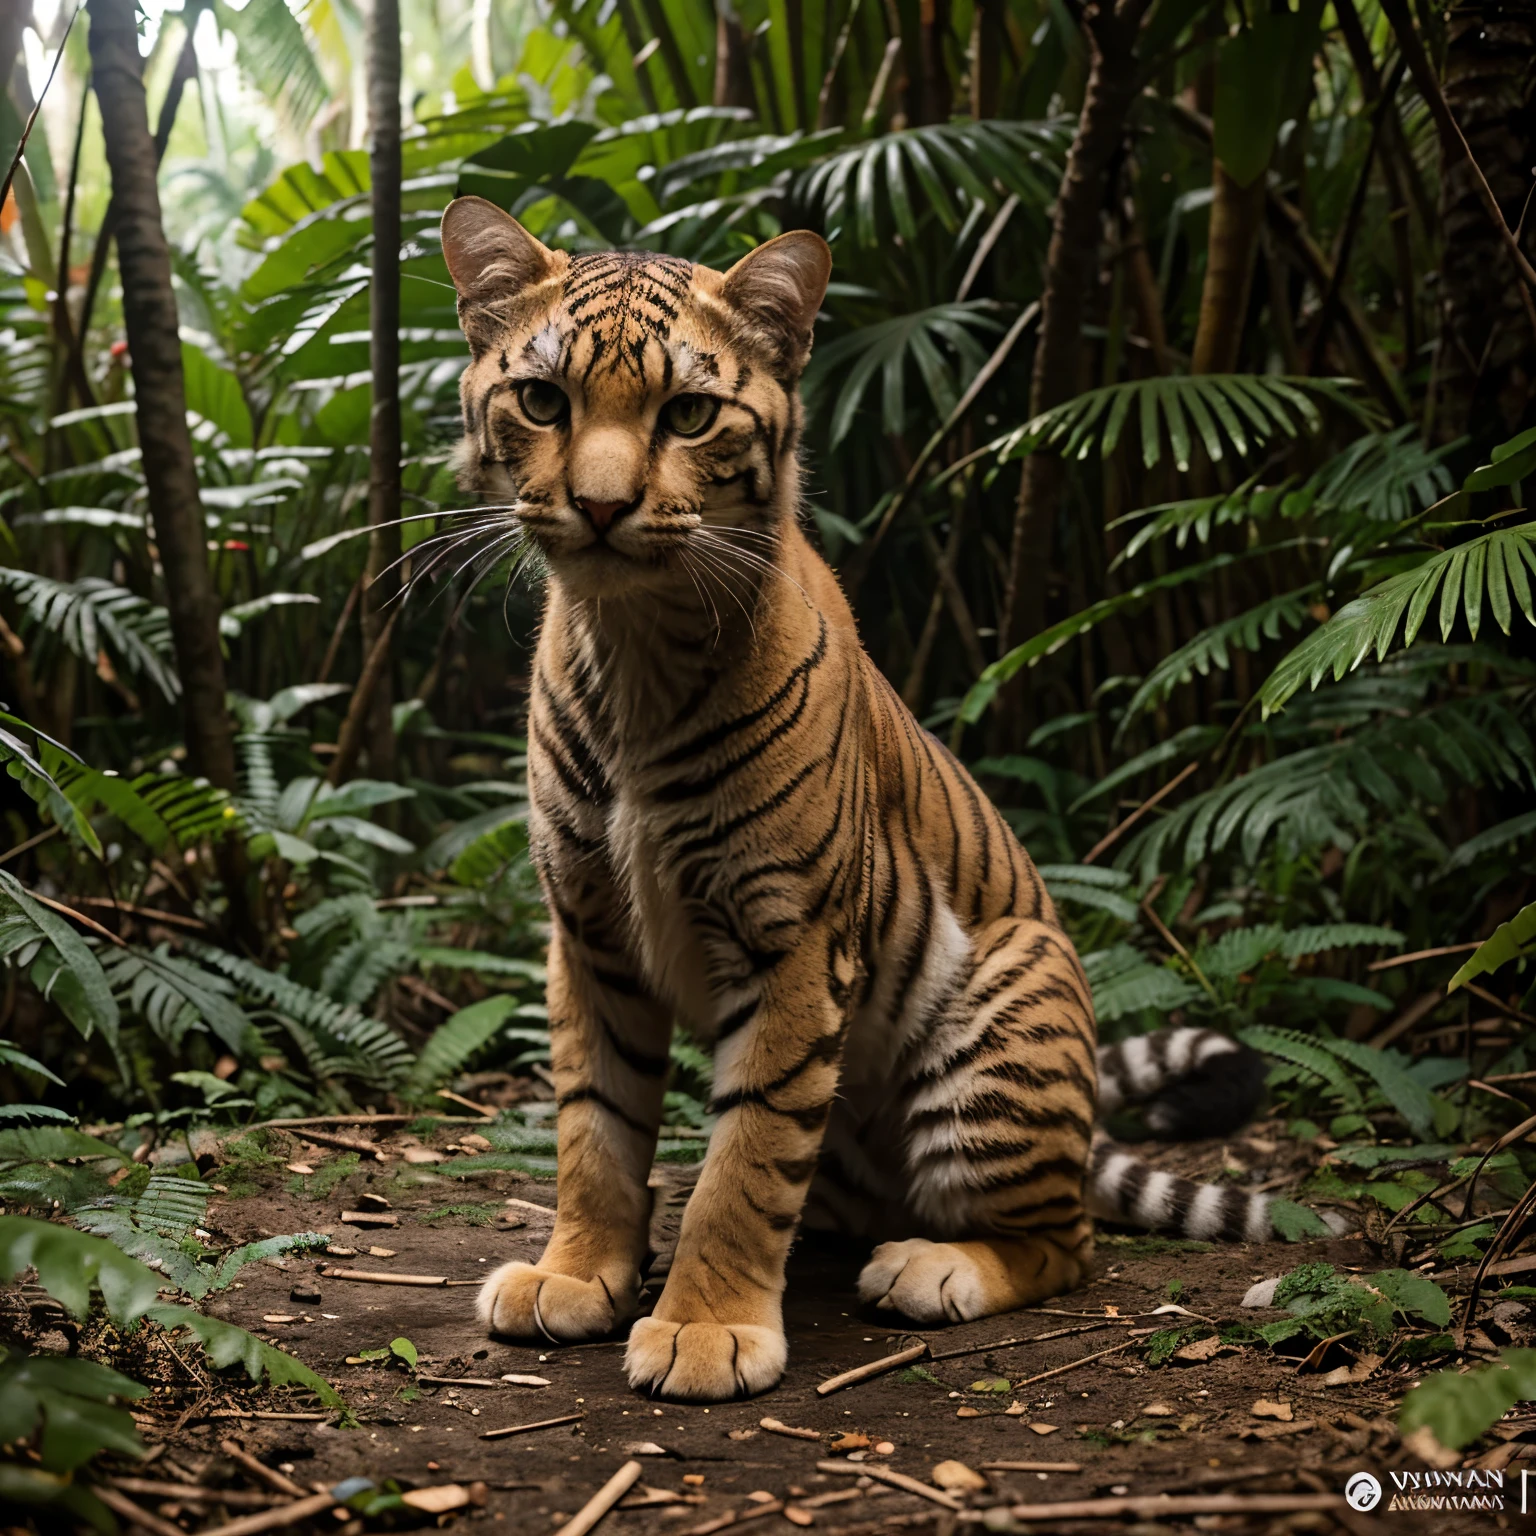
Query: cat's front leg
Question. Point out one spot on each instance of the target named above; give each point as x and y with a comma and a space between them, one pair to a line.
608, 1042
718, 1331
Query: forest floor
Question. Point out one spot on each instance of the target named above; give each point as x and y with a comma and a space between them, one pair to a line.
1243, 1421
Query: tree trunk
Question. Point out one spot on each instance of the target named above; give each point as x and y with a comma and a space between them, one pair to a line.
1485, 373
1237, 216
1072, 264
381, 581
733, 60
988, 39
154, 345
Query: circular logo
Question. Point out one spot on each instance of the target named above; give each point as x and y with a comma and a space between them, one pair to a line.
1362, 1492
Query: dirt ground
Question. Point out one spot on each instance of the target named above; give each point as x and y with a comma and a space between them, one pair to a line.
1130, 1428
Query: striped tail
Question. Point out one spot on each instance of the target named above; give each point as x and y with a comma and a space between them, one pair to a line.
1189, 1083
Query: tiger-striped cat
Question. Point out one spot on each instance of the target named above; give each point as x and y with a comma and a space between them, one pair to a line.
740, 827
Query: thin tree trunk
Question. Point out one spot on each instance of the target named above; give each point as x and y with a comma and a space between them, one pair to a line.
988, 20
733, 60
938, 98
381, 582
1237, 215
185, 71
1072, 266
149, 316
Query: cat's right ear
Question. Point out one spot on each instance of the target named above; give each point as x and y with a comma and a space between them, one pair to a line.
491, 258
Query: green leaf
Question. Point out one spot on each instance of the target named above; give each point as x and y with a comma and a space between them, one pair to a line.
214, 392
1249, 87
1369, 623
1457, 1409
53, 1144
72, 1403
455, 1042
1509, 941
403, 1349
1410, 1099
228, 1345
1297, 1223
70, 1264
89, 1002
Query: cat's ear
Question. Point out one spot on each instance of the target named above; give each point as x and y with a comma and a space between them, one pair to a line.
779, 288
490, 257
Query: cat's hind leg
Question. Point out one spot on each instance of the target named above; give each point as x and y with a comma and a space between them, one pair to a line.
998, 1119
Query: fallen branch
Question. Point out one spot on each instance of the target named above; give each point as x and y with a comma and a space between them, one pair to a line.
528, 1205
1031, 1466
193, 1493
261, 1471
484, 1110
1394, 961
775, 1428
730, 1517
457, 1381
377, 1277
1037, 1338
524, 1429
892, 1478
346, 1144
276, 1519
873, 1368
1152, 1506
603, 1500
120, 1504
1061, 1370
359, 1120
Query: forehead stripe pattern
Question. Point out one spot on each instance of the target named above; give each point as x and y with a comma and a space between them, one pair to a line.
620, 300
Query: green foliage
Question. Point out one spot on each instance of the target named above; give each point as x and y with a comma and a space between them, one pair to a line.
1510, 941
67, 1407
160, 1227
455, 1042
1457, 1408
227, 1345
1324, 1303
70, 1265
1493, 564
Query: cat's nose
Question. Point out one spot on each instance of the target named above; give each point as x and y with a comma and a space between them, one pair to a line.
602, 514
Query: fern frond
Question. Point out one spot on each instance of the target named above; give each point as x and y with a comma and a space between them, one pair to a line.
1496, 564
1315, 939
868, 187
456, 1041
1307, 1053
1415, 1103
172, 994
276, 55
1212, 647
88, 614
1240, 412
379, 1053
1124, 982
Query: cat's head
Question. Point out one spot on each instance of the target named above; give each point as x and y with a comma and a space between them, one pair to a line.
634, 411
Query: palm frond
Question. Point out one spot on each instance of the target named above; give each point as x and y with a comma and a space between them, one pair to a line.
1492, 565
887, 183
1223, 412
1213, 647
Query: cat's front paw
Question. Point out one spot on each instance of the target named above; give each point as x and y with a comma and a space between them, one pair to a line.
704, 1362
523, 1301
927, 1282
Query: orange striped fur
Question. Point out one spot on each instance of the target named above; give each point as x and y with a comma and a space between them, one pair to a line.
741, 829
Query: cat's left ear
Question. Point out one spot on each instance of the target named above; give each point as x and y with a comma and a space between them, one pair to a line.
779, 288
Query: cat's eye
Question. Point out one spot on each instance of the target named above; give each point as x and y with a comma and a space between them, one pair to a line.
690, 415
543, 403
